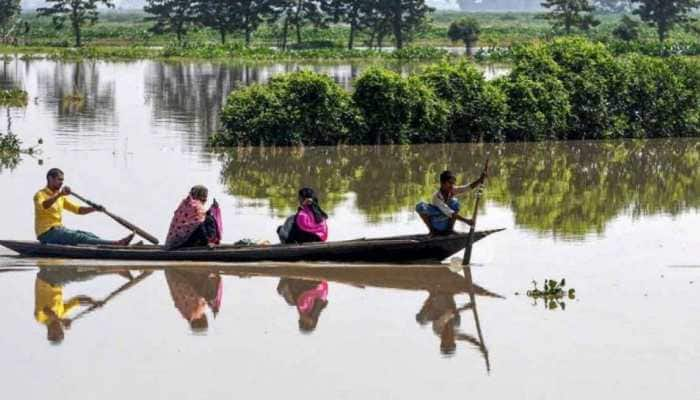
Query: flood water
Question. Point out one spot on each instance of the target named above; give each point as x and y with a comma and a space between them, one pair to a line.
618, 220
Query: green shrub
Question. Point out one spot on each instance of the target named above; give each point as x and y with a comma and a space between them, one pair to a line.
596, 87
662, 100
476, 109
13, 98
537, 109
395, 109
297, 108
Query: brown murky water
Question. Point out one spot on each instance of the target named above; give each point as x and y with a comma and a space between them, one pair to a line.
618, 220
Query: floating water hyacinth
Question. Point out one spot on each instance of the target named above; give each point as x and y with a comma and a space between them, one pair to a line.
553, 294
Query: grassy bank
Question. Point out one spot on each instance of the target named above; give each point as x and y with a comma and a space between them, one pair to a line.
125, 35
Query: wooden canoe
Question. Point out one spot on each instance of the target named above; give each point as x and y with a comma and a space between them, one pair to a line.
397, 249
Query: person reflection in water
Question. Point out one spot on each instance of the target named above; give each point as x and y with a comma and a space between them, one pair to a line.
441, 309
50, 308
309, 297
192, 292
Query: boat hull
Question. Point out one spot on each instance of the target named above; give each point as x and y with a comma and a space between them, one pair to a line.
399, 249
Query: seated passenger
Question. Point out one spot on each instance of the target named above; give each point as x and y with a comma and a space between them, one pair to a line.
192, 225
308, 224
443, 211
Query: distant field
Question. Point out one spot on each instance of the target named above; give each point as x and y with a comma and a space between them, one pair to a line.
498, 29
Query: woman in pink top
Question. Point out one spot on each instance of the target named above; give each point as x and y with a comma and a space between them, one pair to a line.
310, 220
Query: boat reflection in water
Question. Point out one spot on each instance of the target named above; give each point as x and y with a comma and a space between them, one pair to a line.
192, 291
53, 310
305, 287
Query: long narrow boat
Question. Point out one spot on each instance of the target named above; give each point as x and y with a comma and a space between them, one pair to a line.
397, 249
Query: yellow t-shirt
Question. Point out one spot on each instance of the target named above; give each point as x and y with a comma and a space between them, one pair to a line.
48, 296
47, 218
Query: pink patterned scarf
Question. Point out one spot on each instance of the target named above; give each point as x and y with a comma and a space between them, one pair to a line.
187, 218
306, 221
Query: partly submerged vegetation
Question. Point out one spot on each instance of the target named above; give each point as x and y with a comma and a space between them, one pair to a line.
566, 89
13, 98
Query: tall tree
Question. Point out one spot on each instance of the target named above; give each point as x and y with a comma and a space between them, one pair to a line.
406, 17
299, 13
228, 16
571, 14
351, 12
612, 6
77, 12
9, 10
467, 30
665, 14
175, 16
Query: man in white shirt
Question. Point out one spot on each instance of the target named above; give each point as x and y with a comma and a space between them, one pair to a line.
443, 211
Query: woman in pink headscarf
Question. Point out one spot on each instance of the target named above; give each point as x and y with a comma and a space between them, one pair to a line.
310, 220
192, 225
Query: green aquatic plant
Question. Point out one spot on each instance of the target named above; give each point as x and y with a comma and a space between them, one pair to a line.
73, 102
13, 98
553, 294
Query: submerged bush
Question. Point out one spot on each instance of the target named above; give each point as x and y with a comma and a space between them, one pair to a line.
662, 99
397, 110
13, 98
568, 89
301, 107
476, 108
537, 109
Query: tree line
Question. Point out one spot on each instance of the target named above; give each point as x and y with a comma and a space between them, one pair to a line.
378, 20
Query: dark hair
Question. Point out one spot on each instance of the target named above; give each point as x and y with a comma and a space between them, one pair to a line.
54, 173
199, 191
319, 214
446, 176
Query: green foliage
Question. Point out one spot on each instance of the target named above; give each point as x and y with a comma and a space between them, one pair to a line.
301, 107
664, 14
662, 98
466, 30
226, 16
9, 10
172, 16
13, 98
405, 18
595, 84
77, 12
628, 30
477, 109
538, 109
570, 88
395, 109
418, 53
570, 14
552, 294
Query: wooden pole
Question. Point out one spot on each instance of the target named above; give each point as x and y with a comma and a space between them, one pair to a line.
121, 221
470, 240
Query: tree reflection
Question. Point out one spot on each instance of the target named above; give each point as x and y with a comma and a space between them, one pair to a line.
82, 99
567, 189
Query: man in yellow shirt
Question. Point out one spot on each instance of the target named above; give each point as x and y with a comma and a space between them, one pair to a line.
49, 204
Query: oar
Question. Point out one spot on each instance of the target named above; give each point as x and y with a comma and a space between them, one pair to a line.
121, 221
112, 295
470, 240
